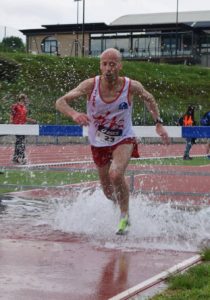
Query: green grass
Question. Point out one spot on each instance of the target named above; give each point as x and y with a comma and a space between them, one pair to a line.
206, 255
18, 179
191, 285
45, 78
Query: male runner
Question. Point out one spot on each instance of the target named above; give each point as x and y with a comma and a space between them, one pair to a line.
109, 121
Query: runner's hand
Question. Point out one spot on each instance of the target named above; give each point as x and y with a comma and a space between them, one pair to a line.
162, 133
81, 118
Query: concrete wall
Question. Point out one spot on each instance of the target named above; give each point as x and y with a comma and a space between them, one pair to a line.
41, 140
66, 43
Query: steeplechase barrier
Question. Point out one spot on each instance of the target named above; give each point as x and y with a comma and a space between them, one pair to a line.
82, 131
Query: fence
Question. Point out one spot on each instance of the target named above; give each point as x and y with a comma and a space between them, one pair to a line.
79, 131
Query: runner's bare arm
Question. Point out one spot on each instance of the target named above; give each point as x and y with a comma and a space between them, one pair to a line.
138, 89
62, 104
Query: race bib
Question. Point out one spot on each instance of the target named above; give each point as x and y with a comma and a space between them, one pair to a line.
107, 135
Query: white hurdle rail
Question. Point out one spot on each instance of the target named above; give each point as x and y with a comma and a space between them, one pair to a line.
82, 131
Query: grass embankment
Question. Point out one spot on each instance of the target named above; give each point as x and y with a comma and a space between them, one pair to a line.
45, 78
191, 285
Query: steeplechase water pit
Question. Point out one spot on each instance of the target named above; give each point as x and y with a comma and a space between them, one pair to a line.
61, 243
65, 247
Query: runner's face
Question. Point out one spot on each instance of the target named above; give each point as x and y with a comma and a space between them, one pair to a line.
110, 66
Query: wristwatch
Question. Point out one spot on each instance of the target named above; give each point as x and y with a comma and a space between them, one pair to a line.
159, 121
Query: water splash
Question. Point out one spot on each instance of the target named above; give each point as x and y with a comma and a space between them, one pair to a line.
91, 217
153, 225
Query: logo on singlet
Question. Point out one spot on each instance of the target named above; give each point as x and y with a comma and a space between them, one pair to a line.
109, 131
123, 105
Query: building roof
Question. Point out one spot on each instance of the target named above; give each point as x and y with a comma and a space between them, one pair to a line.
88, 27
200, 25
157, 18
199, 20
103, 28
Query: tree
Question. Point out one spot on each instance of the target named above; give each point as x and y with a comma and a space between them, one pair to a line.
13, 44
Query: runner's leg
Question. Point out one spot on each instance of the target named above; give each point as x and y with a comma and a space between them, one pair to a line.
121, 156
106, 182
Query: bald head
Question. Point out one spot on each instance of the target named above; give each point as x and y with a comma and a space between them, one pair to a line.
110, 65
111, 53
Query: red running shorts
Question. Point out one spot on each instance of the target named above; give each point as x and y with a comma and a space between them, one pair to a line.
103, 155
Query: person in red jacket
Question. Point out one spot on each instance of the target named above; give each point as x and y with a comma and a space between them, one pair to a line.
18, 116
188, 120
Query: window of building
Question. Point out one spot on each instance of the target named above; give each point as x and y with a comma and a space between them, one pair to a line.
98, 45
146, 46
95, 47
205, 43
50, 46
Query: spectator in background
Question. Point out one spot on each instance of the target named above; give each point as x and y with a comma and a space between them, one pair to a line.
208, 149
18, 116
188, 120
205, 121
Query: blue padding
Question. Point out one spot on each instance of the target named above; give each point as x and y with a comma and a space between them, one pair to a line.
64, 130
196, 132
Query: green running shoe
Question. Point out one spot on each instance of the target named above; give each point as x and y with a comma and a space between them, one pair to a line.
123, 226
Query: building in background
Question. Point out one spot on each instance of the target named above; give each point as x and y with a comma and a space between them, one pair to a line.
161, 37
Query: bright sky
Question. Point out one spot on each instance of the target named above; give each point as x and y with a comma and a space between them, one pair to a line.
25, 14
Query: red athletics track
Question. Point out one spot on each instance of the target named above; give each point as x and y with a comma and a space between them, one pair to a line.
63, 267
71, 152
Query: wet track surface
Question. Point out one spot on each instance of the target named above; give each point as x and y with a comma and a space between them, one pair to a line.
65, 248
63, 245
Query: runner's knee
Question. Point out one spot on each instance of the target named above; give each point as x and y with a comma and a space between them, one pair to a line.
115, 176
